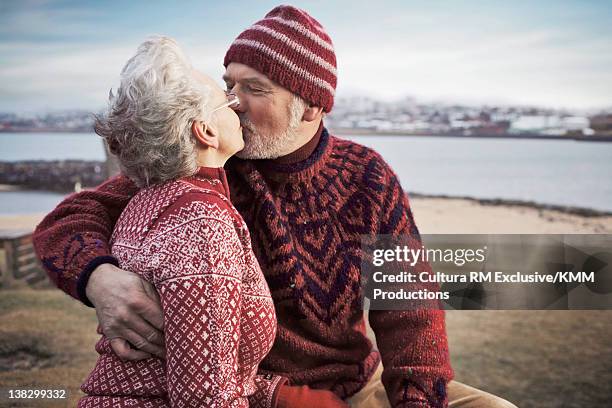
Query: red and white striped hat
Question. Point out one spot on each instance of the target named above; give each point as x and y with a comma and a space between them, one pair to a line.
292, 49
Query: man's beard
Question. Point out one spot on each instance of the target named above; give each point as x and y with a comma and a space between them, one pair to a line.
271, 146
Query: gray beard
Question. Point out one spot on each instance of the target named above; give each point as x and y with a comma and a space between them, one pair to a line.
270, 146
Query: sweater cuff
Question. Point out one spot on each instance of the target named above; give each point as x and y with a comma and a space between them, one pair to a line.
86, 273
276, 394
282, 396
415, 404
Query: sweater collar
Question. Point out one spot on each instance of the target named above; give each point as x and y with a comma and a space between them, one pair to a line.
303, 152
212, 178
321, 143
317, 149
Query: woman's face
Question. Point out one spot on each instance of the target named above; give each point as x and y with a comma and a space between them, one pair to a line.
224, 120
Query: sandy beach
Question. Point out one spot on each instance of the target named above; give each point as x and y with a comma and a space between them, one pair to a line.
540, 359
455, 216
462, 216
22, 221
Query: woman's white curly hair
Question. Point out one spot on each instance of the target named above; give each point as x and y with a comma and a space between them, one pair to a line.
148, 123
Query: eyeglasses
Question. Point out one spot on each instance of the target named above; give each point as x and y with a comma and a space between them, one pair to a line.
232, 99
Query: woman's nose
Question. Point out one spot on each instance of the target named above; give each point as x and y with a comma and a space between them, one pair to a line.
233, 100
239, 106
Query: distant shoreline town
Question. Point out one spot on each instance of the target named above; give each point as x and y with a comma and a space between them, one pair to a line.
363, 115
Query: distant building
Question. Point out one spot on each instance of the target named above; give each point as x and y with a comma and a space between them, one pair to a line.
601, 124
552, 125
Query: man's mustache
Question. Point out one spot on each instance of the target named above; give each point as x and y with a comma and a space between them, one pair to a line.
244, 121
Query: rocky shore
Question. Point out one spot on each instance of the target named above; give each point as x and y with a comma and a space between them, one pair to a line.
63, 176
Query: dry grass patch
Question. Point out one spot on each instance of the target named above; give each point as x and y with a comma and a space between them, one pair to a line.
46, 341
539, 359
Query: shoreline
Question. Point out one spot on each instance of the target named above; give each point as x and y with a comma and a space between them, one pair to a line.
4, 188
507, 202
46, 130
494, 202
524, 136
371, 132
455, 215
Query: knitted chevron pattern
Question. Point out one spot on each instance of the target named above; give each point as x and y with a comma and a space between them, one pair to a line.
306, 228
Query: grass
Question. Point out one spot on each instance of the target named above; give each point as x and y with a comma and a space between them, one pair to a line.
543, 359
46, 341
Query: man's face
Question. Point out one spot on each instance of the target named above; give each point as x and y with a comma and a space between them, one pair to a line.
264, 112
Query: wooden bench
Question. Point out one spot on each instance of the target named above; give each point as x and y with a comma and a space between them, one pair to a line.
21, 265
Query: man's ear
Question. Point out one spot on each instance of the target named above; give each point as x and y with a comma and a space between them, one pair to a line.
312, 113
205, 134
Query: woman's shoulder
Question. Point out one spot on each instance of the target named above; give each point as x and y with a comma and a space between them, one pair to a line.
196, 203
175, 201
195, 231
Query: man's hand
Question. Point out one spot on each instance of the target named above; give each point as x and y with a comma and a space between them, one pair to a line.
129, 310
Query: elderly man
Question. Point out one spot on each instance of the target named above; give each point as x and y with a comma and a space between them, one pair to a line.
307, 198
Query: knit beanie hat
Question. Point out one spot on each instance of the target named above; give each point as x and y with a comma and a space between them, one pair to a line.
292, 49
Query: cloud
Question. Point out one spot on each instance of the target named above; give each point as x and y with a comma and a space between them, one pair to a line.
45, 22
69, 55
547, 67
49, 77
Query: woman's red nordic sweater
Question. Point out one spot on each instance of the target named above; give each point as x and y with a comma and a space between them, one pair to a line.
186, 238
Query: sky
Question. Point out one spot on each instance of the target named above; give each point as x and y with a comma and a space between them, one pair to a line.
57, 55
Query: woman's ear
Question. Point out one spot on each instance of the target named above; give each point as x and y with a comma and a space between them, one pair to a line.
311, 113
205, 134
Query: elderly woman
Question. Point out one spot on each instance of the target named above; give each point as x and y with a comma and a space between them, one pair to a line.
172, 129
